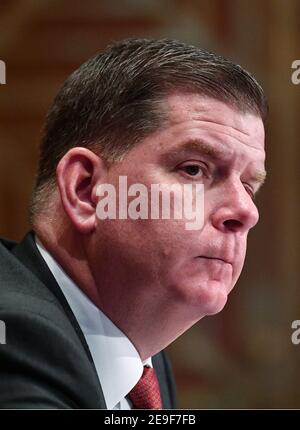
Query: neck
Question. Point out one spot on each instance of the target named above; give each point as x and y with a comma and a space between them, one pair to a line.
68, 250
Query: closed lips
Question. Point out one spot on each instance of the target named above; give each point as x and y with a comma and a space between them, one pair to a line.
214, 258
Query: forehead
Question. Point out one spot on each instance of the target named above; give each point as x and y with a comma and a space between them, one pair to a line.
216, 118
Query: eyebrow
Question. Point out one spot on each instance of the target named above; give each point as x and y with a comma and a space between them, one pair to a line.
204, 148
260, 177
195, 145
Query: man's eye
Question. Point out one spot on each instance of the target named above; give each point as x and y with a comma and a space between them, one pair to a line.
250, 191
193, 169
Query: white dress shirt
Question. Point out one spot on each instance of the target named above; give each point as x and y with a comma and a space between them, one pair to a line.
118, 364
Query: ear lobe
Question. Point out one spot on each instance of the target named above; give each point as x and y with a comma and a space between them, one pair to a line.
77, 173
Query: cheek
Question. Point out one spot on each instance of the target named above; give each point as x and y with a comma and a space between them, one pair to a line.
146, 248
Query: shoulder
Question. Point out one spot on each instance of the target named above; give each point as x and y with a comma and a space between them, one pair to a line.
23, 293
43, 363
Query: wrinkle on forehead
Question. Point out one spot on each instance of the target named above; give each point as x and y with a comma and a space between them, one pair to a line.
216, 122
216, 116
245, 139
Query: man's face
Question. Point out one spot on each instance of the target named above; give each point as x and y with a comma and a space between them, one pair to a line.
159, 263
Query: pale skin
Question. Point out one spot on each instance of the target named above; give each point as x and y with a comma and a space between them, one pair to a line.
153, 278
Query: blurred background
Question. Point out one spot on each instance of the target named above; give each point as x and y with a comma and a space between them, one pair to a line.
243, 357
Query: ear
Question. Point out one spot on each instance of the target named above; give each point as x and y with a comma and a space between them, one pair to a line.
78, 173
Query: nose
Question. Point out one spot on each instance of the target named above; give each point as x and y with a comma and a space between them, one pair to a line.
234, 211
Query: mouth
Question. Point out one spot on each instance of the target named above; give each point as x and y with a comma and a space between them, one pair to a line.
215, 258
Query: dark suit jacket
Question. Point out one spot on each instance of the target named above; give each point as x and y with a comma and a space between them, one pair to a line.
46, 362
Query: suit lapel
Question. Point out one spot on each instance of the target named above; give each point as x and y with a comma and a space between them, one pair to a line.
27, 252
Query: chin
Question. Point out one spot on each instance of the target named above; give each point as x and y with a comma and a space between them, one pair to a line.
209, 298
217, 305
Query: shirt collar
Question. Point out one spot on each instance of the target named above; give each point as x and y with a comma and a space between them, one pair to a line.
118, 364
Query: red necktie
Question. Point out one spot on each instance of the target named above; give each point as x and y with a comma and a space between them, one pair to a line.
146, 394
